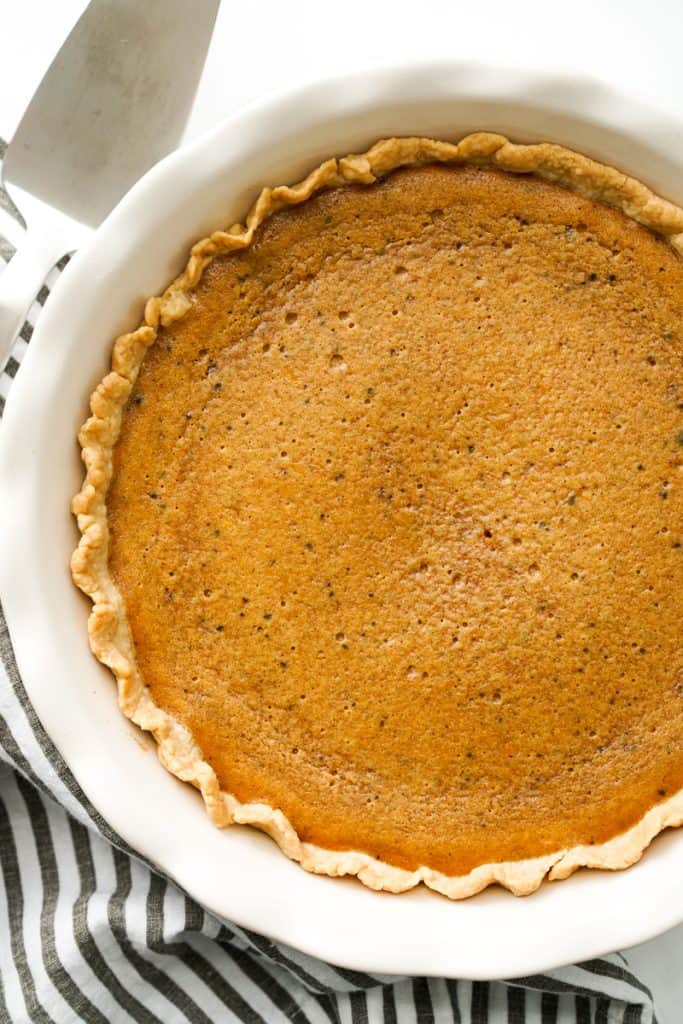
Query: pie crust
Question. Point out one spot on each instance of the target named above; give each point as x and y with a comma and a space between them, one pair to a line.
109, 633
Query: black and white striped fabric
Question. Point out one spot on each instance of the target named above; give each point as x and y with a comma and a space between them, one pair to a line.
88, 932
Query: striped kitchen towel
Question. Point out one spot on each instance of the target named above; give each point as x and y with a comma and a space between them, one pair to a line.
89, 932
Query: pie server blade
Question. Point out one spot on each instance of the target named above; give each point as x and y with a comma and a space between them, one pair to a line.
114, 101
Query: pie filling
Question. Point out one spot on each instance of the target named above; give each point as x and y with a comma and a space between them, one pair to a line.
397, 514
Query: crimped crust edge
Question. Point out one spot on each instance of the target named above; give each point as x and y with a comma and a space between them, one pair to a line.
108, 629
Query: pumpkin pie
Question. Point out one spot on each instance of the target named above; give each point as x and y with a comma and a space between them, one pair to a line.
383, 516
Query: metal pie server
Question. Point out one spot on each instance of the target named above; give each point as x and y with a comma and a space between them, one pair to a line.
113, 102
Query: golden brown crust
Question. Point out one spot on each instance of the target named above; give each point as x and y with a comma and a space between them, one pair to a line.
109, 633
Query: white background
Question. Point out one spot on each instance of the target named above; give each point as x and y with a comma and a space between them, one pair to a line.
261, 47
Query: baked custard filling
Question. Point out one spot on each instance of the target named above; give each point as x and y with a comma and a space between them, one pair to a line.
396, 517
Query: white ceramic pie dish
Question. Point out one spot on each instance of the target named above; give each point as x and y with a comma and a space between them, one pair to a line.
239, 873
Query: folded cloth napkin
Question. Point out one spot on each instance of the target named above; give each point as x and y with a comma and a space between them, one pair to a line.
90, 932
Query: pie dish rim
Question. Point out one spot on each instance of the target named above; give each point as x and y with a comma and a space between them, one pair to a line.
239, 874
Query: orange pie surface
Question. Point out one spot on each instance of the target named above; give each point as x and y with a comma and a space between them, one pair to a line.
397, 515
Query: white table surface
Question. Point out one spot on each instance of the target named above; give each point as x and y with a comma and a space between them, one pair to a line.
258, 48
